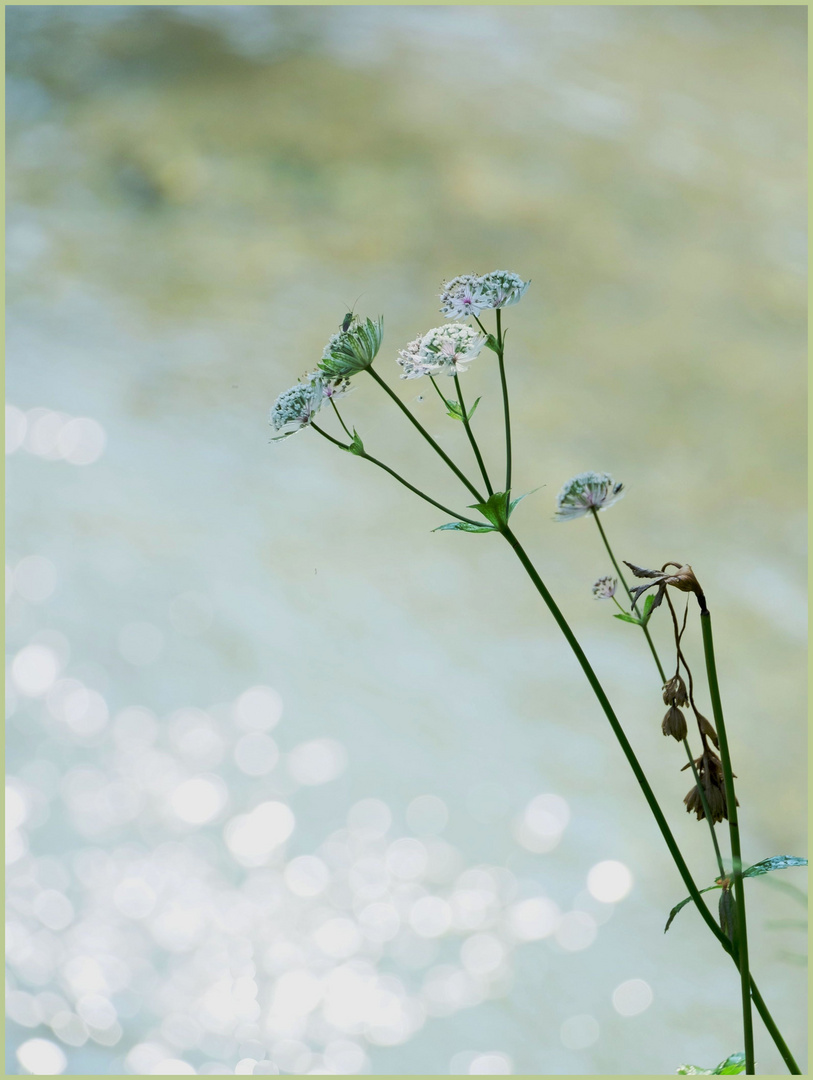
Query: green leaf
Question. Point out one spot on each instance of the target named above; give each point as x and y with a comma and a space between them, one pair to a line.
649, 604
683, 904
519, 498
491, 343
733, 1064
627, 618
495, 509
464, 526
456, 412
471, 410
776, 862
356, 446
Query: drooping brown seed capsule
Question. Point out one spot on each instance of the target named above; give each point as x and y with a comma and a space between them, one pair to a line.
707, 728
674, 724
674, 692
710, 773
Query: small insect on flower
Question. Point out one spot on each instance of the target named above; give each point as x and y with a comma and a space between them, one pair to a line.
604, 588
589, 491
348, 319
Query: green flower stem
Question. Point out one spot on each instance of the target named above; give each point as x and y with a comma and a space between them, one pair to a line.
659, 666
649, 795
470, 434
427, 436
506, 408
629, 594
400, 479
734, 832
439, 391
339, 416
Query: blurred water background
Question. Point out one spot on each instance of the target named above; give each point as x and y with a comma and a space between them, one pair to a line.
294, 784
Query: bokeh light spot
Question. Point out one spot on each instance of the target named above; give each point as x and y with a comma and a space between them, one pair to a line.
258, 708
632, 997
609, 881
42, 1057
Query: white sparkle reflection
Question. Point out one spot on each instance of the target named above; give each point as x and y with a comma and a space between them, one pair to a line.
34, 670
542, 823
306, 875
576, 931
533, 919
42, 1057
609, 881
317, 761
251, 838
632, 997
199, 800
258, 708
81, 441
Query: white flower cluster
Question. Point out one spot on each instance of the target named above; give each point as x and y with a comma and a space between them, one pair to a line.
294, 409
444, 350
585, 492
604, 588
470, 294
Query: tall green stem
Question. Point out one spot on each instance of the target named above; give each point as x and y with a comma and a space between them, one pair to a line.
740, 924
649, 795
506, 407
396, 476
470, 434
417, 424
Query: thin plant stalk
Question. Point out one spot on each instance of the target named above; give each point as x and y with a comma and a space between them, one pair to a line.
734, 832
622, 579
506, 406
470, 434
425, 434
500, 349
662, 674
395, 475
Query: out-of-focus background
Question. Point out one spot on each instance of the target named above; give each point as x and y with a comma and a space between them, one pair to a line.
295, 784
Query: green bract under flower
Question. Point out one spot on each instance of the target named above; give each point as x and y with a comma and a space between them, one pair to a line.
294, 409
585, 492
354, 349
444, 350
